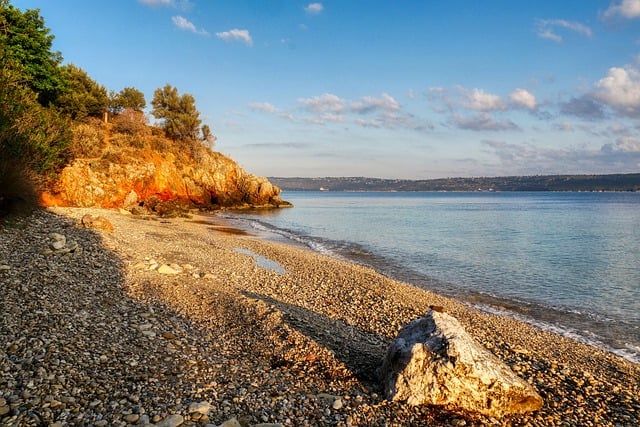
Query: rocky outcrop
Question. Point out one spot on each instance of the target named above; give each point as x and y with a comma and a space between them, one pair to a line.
434, 361
153, 177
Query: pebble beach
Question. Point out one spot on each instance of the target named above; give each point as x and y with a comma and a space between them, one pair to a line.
191, 322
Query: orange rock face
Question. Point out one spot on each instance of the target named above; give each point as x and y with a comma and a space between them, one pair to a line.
215, 180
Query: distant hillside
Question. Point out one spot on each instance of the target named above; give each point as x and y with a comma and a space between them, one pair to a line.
617, 182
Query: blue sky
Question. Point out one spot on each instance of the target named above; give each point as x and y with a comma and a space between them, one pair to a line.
392, 89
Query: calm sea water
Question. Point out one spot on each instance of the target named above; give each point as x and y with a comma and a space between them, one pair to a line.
567, 262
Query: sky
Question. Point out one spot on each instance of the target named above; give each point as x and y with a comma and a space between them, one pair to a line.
390, 89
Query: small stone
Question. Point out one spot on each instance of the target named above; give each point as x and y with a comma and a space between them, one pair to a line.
233, 422
4, 410
131, 418
171, 421
337, 404
4, 267
101, 423
200, 407
56, 424
169, 336
167, 269
145, 326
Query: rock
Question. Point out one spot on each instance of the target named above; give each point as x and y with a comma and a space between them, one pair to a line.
131, 418
171, 421
4, 267
4, 410
200, 407
131, 200
233, 422
58, 241
433, 361
97, 222
337, 404
167, 269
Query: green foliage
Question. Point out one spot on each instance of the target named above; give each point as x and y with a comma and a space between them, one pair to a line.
83, 97
31, 135
128, 98
25, 40
178, 113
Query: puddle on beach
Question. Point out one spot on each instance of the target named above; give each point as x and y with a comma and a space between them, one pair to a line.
263, 262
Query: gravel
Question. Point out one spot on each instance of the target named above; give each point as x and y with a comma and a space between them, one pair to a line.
177, 322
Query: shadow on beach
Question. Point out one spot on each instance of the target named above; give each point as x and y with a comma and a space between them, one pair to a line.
360, 350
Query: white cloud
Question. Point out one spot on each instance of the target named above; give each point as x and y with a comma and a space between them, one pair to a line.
627, 9
369, 103
482, 122
479, 100
314, 8
236, 35
263, 106
547, 28
620, 90
266, 107
186, 25
327, 102
522, 98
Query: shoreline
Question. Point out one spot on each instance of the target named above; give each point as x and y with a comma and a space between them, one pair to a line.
545, 318
294, 348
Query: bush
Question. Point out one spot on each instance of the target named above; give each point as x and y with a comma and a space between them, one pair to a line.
130, 122
88, 139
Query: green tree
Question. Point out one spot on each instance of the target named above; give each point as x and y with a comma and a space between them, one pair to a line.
31, 136
24, 39
178, 114
128, 98
83, 96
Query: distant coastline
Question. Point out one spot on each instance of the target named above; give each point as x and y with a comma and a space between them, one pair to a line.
613, 182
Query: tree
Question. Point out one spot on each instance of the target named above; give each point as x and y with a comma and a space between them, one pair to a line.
178, 113
25, 40
83, 96
128, 98
31, 136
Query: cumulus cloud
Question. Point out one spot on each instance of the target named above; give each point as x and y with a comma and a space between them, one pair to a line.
548, 29
479, 100
482, 122
620, 90
186, 25
369, 103
314, 8
625, 9
236, 35
522, 98
324, 103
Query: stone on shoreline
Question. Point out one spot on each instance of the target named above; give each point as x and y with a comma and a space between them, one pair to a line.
434, 361
97, 222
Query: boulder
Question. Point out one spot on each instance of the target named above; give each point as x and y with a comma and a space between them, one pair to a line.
97, 222
434, 361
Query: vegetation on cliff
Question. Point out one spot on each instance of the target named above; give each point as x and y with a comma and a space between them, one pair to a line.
62, 132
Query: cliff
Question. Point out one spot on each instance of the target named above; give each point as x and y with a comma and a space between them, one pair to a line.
133, 178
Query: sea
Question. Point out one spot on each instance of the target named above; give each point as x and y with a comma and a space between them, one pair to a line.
565, 262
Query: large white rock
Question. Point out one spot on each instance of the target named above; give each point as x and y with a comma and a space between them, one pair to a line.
435, 361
